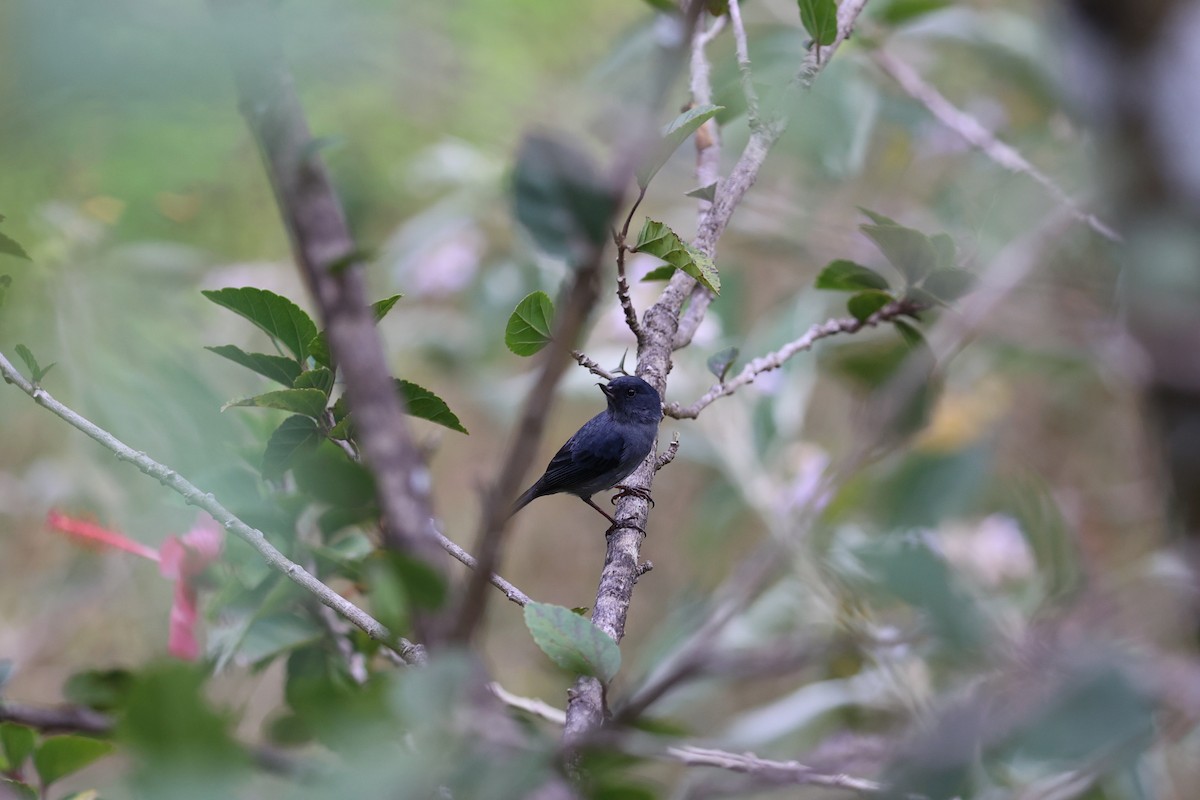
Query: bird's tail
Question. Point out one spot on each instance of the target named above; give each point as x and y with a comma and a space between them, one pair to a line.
530, 494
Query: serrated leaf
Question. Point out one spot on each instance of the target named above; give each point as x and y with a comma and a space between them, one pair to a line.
704, 192
572, 642
60, 756
36, 371
560, 198
278, 317
658, 240
949, 284
319, 378
294, 435
530, 324
674, 135
344, 429
309, 402
659, 274
18, 742
819, 18
422, 403
278, 368
898, 12
720, 362
380, 308
275, 634
847, 276
862, 305
11, 247
908, 250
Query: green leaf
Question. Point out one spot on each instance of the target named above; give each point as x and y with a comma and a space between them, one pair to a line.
344, 429
60, 756
318, 346
878, 219
277, 368
908, 250
101, 689
5, 285
35, 370
422, 403
560, 198
278, 317
422, 586
327, 475
947, 253
288, 730
674, 135
862, 305
704, 192
530, 324
10, 247
380, 308
658, 240
275, 634
320, 378
17, 790
309, 402
667, 6
950, 284
898, 12
819, 18
572, 642
720, 362
294, 435
846, 276
659, 274
18, 742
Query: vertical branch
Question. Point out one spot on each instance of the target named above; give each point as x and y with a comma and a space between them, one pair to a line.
332, 267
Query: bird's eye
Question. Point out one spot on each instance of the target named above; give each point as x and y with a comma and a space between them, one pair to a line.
630, 392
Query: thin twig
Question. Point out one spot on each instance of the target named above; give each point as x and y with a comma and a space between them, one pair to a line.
983, 140
511, 592
743, 62
621, 238
668, 455
171, 479
778, 358
791, 773
591, 366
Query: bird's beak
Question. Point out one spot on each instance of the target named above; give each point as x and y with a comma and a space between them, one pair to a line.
604, 388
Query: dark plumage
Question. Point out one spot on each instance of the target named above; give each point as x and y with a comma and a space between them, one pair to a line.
607, 448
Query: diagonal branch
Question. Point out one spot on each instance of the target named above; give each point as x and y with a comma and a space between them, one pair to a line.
194, 496
778, 358
332, 266
983, 140
743, 62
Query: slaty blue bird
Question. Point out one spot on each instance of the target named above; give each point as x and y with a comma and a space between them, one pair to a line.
607, 449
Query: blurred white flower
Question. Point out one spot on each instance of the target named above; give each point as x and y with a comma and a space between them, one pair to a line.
994, 550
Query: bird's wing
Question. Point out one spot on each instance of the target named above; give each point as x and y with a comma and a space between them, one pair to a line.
591, 453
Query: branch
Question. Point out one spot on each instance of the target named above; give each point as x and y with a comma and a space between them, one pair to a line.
510, 591
791, 773
778, 358
983, 140
621, 239
591, 366
332, 266
668, 455
743, 62
171, 479
663, 332
745, 172
81, 719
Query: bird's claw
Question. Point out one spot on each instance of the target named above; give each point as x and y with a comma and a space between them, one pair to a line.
616, 526
632, 491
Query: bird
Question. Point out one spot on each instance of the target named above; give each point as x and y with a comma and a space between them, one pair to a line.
606, 450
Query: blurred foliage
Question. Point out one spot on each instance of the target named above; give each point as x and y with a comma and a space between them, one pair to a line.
967, 540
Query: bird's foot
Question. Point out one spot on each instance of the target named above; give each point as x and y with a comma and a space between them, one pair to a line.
616, 526
632, 491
